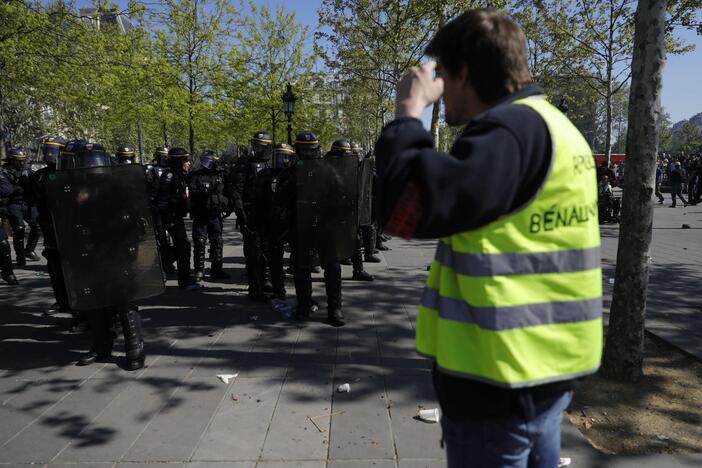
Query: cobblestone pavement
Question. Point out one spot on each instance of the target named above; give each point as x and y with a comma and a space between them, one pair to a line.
282, 410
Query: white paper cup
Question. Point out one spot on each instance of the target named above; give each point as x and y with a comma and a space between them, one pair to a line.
429, 415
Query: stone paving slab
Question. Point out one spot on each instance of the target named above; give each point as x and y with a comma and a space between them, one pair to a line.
364, 429
69, 419
292, 435
238, 429
176, 430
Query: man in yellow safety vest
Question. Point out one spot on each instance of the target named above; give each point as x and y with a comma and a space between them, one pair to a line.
511, 312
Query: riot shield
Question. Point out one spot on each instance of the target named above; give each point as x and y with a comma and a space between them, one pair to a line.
105, 235
365, 191
327, 209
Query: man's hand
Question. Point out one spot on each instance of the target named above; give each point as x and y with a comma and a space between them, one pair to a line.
416, 90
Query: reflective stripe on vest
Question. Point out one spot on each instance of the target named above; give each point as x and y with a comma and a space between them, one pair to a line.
518, 302
482, 264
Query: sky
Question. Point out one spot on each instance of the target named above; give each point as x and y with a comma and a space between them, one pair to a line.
682, 76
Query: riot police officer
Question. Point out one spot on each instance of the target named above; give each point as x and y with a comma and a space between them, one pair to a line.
19, 209
308, 150
173, 204
272, 213
107, 223
343, 148
51, 151
367, 230
240, 190
6, 272
208, 207
125, 155
153, 173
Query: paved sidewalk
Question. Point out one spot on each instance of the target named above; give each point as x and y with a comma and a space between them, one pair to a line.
176, 413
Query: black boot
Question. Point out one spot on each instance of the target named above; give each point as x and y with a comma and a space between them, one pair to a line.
368, 236
18, 244
336, 318
359, 274
362, 275
6, 263
91, 357
32, 240
100, 326
217, 259
133, 340
198, 257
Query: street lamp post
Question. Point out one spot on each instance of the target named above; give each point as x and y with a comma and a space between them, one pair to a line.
289, 99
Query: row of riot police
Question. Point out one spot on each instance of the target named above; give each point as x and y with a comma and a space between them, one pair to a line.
315, 204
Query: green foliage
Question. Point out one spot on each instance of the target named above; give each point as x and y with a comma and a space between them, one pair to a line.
205, 75
690, 139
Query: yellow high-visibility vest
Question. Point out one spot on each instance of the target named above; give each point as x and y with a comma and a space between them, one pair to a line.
518, 302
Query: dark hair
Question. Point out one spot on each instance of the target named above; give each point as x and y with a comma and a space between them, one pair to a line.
491, 44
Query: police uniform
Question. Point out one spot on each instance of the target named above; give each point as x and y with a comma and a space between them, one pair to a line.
153, 174
240, 191
272, 212
19, 209
173, 204
307, 148
6, 272
208, 206
93, 291
51, 150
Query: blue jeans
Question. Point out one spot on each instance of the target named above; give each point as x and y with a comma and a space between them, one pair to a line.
509, 442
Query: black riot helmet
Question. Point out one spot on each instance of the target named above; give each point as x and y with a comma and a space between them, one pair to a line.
209, 160
307, 146
125, 155
261, 146
90, 155
283, 156
161, 156
340, 148
357, 151
16, 158
17, 153
66, 158
177, 157
50, 150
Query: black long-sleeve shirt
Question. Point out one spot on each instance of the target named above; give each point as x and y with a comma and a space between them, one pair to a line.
497, 164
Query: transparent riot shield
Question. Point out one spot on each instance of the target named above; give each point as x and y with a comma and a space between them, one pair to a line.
326, 209
365, 191
105, 235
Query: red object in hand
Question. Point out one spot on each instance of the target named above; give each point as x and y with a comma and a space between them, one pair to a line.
407, 213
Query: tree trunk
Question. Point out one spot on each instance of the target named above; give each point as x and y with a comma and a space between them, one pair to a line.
191, 132
623, 357
608, 129
273, 122
140, 141
191, 105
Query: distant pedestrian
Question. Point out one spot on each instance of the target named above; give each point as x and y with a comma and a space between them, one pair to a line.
659, 180
677, 178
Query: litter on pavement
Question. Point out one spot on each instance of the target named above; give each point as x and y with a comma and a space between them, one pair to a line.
429, 415
343, 388
225, 378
